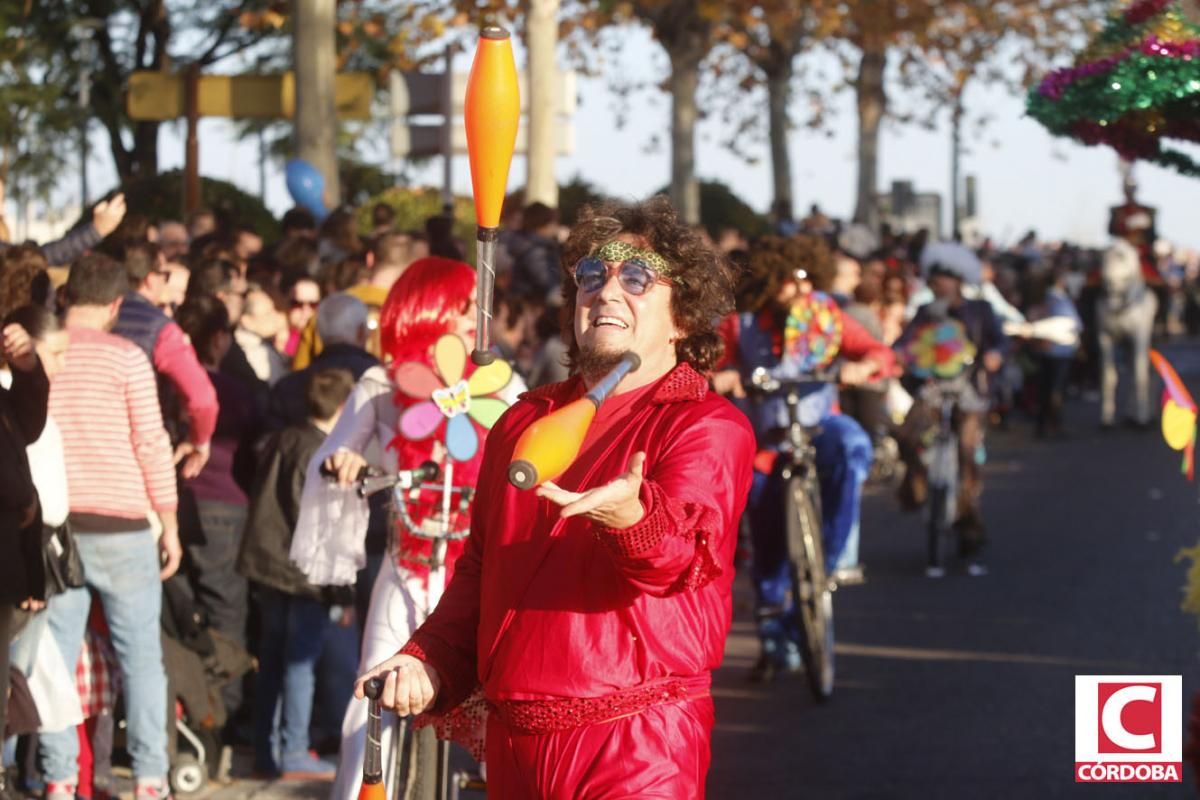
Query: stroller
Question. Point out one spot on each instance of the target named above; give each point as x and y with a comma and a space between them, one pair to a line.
199, 662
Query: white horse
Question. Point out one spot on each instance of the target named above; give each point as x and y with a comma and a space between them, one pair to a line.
1125, 316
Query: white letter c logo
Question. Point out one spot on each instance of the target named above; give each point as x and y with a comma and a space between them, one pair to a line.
1110, 718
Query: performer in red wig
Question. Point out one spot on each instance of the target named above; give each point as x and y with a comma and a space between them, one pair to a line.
434, 297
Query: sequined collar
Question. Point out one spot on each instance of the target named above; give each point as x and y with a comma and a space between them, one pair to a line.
681, 384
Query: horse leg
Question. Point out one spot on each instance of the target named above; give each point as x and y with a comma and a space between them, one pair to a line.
1108, 376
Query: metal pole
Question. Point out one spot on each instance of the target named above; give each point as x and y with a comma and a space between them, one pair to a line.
448, 133
262, 165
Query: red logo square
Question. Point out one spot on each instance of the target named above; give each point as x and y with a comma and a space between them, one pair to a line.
1129, 717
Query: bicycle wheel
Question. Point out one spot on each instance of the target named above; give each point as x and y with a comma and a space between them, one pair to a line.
417, 772
811, 594
943, 490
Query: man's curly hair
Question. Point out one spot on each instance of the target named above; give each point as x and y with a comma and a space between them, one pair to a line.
702, 291
773, 262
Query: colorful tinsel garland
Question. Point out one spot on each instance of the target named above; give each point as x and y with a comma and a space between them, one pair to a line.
1135, 85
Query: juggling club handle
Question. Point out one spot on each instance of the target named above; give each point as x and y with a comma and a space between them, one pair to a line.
485, 285
373, 758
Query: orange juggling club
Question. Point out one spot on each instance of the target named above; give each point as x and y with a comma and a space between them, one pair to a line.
372, 782
549, 446
492, 109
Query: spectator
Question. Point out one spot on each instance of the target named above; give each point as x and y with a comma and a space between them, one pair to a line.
383, 220
439, 231
173, 240
118, 467
303, 299
298, 222
221, 279
255, 336
354, 279
213, 503
246, 243
201, 223
142, 322
23, 411
106, 216
536, 271
1055, 360
24, 278
294, 615
390, 256
339, 237
341, 323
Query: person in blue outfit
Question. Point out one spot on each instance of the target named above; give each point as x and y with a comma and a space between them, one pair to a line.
780, 271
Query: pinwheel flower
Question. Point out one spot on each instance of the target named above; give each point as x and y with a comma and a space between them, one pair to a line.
939, 350
447, 397
812, 335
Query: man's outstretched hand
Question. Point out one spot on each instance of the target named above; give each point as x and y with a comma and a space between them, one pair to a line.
410, 685
614, 505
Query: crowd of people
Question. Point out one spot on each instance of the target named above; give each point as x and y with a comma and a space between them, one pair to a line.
187, 409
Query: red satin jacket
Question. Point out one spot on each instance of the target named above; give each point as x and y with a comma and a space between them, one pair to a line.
542, 608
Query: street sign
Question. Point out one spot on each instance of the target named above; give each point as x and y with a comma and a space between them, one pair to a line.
425, 141
160, 96
420, 93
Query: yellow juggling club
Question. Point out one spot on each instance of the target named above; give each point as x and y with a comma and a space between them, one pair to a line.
549, 446
491, 110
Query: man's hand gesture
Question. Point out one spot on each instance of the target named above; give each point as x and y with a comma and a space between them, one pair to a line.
107, 214
613, 505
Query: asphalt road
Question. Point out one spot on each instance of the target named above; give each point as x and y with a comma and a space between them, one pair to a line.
964, 687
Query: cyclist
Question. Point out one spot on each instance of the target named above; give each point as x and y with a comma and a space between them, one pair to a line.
780, 271
949, 268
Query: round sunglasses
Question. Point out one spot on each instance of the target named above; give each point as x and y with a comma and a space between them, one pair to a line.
634, 276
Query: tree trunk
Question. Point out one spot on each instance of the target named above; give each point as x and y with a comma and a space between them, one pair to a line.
314, 55
872, 105
685, 53
956, 211
541, 36
779, 91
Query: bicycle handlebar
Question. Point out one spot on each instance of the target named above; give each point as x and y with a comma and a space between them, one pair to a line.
370, 480
762, 383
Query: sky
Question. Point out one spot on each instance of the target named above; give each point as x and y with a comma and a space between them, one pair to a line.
1026, 178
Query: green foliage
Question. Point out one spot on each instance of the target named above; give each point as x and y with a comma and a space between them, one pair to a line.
414, 206
161, 198
720, 208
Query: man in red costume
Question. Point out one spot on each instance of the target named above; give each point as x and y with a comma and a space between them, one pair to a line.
593, 611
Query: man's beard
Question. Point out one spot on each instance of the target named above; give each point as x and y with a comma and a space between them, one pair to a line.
593, 363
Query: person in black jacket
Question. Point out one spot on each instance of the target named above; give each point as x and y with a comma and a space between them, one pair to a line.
295, 616
23, 409
536, 271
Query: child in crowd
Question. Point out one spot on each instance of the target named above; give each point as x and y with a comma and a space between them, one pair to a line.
295, 616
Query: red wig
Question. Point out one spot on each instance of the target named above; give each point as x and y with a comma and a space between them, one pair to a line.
422, 305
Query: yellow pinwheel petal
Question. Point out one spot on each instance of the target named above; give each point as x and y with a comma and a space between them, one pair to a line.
450, 358
490, 379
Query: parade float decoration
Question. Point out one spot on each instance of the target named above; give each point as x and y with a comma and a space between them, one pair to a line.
1134, 88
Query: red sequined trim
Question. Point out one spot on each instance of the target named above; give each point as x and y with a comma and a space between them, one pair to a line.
537, 717
671, 517
465, 724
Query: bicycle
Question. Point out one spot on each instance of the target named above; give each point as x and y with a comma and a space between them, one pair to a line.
941, 461
420, 769
811, 589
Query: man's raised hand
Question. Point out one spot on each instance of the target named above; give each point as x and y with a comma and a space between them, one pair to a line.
18, 348
614, 505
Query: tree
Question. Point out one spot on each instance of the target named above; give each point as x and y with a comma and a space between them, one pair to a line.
313, 56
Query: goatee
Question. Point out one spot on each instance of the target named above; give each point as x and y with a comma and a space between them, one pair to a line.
594, 364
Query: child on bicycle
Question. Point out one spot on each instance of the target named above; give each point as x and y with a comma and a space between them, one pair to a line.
780, 271
949, 267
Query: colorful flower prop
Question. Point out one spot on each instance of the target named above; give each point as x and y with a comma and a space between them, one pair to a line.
1179, 414
449, 397
939, 350
812, 335
1136, 84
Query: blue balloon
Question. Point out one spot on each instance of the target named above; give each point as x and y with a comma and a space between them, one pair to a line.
306, 185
